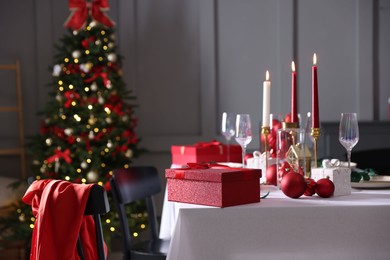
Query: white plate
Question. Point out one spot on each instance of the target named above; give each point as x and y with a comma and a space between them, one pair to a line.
376, 182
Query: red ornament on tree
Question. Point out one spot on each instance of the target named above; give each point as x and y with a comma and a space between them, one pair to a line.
293, 185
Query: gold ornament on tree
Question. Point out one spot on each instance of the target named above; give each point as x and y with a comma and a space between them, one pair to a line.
92, 176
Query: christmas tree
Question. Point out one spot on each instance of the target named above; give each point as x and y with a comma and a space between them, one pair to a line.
88, 127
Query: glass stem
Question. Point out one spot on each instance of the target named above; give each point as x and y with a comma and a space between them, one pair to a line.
349, 158
243, 156
228, 150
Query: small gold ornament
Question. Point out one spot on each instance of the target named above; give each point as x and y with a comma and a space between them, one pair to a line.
91, 135
68, 131
49, 141
76, 54
94, 86
57, 70
108, 120
92, 176
129, 153
92, 23
92, 120
125, 118
112, 57
84, 165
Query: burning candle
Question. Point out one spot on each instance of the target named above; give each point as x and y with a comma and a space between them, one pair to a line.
266, 99
294, 114
314, 104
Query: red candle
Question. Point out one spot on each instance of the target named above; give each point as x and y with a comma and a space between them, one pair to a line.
294, 114
314, 104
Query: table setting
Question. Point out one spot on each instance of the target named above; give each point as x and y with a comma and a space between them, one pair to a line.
211, 185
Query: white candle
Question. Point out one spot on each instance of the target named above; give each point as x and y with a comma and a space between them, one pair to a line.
266, 100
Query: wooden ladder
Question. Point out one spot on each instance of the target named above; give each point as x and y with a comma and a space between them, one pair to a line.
19, 110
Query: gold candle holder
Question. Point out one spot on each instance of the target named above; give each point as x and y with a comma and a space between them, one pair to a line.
265, 130
315, 133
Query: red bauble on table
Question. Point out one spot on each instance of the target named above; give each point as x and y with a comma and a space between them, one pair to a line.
287, 118
325, 188
276, 125
293, 185
271, 175
284, 168
311, 187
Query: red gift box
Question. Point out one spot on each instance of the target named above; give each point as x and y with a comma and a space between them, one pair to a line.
220, 187
205, 152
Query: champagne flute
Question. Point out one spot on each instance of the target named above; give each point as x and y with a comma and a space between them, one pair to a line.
348, 133
243, 133
228, 130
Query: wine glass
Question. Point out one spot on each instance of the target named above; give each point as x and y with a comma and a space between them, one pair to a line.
348, 133
243, 133
228, 130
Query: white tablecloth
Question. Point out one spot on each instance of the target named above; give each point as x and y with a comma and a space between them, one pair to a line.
345, 227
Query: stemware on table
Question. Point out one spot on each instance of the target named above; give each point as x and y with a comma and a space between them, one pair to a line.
243, 133
228, 129
348, 133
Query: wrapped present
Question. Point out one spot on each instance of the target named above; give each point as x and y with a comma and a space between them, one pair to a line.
205, 152
214, 185
340, 176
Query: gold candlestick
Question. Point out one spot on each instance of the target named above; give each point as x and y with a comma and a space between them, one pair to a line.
265, 130
315, 133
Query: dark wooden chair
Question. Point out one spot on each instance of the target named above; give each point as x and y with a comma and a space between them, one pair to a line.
377, 159
97, 205
129, 185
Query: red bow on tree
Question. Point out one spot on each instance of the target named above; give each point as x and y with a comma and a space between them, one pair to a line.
70, 96
60, 154
81, 9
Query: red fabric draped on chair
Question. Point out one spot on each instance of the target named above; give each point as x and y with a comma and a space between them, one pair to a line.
59, 208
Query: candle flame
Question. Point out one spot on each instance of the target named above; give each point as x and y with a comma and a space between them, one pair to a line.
267, 75
315, 59
293, 66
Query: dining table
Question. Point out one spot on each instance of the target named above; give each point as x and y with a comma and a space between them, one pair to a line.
355, 226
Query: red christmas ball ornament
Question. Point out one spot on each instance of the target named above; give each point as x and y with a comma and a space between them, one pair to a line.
276, 125
293, 185
284, 168
287, 118
272, 140
325, 188
271, 175
311, 187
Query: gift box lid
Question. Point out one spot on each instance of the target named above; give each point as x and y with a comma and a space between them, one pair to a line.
203, 147
214, 174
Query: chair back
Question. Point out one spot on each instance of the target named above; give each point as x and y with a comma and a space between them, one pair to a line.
97, 205
377, 159
129, 185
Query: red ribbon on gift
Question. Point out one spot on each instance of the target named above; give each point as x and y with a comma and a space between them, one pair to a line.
205, 144
60, 154
81, 9
208, 144
180, 173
